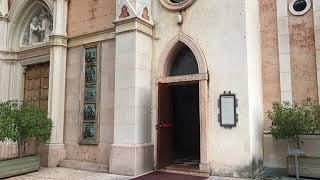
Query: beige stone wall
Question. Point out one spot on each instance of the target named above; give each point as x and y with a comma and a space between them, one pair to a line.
303, 57
270, 56
94, 153
90, 16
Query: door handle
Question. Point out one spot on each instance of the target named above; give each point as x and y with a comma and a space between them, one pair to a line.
164, 125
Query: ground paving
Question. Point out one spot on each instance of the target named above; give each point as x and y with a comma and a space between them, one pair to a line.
67, 174
71, 174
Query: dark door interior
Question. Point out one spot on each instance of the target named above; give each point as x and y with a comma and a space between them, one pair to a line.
186, 124
179, 125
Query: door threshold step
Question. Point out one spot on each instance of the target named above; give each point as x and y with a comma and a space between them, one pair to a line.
187, 171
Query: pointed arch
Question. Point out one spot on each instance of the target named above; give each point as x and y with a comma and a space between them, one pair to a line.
20, 15
167, 56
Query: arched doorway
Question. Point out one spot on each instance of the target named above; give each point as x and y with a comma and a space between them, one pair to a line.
182, 101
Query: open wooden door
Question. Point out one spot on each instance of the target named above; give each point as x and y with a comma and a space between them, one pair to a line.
164, 127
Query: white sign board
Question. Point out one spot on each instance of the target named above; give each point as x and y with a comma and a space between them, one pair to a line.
227, 110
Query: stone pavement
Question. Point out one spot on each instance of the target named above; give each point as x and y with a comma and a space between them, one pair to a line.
67, 174
71, 174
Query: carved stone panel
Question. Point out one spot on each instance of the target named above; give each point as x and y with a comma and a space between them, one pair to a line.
38, 28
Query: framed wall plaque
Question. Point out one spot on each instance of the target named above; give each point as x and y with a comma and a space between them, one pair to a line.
228, 104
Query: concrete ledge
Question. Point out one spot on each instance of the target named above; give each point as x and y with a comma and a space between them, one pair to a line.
275, 151
85, 166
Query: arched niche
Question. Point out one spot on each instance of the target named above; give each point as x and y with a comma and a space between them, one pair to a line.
21, 16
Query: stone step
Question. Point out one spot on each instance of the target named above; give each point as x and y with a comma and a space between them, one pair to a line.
85, 166
185, 170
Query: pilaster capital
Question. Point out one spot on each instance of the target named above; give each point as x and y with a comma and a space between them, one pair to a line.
59, 40
4, 18
134, 24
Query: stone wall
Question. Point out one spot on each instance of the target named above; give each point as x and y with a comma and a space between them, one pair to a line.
93, 153
8, 150
90, 16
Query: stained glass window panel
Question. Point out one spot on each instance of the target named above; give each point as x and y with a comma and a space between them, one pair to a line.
91, 55
91, 75
89, 131
90, 93
89, 112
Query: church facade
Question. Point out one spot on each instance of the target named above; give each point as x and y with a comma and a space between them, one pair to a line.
138, 85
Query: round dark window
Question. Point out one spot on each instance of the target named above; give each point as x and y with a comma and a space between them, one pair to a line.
300, 5
176, 1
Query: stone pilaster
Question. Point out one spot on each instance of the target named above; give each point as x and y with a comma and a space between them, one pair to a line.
284, 51
3, 24
132, 129
55, 150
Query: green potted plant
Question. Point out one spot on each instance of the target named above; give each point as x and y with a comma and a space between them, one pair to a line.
289, 122
22, 123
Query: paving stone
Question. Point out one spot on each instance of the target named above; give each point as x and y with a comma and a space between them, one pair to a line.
67, 174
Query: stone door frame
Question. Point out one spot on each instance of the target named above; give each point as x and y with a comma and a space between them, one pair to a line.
166, 60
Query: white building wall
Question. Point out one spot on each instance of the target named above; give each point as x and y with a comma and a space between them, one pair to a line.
228, 34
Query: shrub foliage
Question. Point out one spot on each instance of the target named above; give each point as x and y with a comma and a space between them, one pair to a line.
22, 123
291, 121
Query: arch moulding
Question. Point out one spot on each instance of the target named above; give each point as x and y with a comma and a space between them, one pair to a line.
166, 58
19, 14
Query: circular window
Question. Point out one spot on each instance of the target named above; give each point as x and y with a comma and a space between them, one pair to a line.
299, 7
177, 5
176, 1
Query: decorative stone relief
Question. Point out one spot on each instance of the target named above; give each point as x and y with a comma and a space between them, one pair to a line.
38, 29
145, 14
124, 12
134, 9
